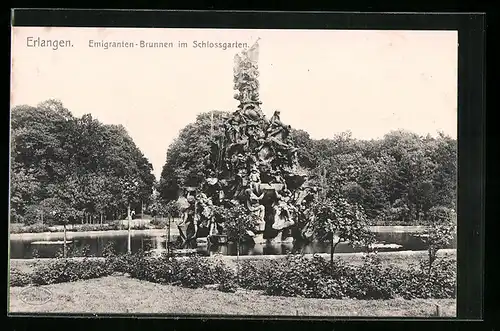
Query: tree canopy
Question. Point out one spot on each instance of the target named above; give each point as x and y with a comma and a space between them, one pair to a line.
397, 178
189, 155
87, 166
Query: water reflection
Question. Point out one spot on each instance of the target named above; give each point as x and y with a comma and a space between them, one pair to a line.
95, 245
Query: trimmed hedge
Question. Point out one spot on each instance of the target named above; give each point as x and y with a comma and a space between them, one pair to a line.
67, 270
39, 228
192, 272
317, 278
294, 276
304, 277
19, 278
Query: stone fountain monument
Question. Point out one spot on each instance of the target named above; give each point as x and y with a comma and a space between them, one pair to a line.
254, 163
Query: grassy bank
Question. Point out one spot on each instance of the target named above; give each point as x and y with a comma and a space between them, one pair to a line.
52, 233
87, 234
120, 294
400, 259
138, 224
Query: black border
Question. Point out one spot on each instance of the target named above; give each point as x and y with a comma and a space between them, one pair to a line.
471, 101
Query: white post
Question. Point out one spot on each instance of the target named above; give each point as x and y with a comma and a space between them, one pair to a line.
129, 217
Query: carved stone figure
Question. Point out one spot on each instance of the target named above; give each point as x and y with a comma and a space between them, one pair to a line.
283, 216
254, 206
204, 212
254, 162
254, 178
251, 111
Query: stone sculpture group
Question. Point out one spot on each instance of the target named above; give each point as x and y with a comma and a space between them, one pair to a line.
255, 164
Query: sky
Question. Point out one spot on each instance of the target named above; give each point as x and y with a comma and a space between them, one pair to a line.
323, 81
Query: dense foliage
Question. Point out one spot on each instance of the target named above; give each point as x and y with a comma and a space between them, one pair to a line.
337, 220
69, 169
396, 179
291, 276
237, 221
19, 278
68, 270
440, 230
299, 276
189, 155
115, 225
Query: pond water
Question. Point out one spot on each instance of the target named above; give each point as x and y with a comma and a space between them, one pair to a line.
25, 248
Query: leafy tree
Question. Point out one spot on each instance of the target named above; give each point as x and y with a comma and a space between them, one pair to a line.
440, 230
78, 160
23, 187
237, 222
189, 155
337, 220
305, 145
61, 214
412, 170
444, 179
157, 206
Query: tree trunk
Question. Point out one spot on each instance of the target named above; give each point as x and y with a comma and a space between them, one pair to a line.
129, 217
64, 240
101, 217
333, 246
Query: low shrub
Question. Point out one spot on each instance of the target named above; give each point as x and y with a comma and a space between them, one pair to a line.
442, 279
315, 278
109, 250
82, 251
256, 276
35, 253
66, 270
299, 276
125, 263
150, 269
438, 281
19, 278
370, 280
120, 225
90, 227
114, 225
158, 223
225, 277
194, 272
35, 228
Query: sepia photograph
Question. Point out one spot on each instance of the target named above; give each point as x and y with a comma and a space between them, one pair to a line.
233, 172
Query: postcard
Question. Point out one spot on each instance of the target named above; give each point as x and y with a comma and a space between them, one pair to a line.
233, 172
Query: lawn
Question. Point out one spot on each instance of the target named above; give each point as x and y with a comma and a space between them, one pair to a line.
121, 294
